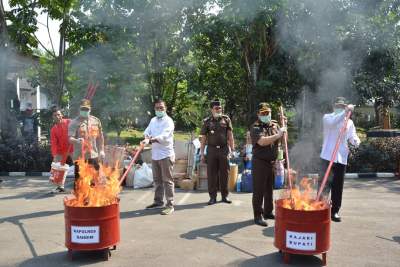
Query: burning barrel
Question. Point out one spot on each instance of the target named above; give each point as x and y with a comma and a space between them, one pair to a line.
92, 219
92, 228
302, 231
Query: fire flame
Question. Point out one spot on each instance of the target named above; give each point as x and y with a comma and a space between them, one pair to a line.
95, 188
302, 199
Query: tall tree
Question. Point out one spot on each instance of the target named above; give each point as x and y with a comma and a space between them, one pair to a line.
23, 31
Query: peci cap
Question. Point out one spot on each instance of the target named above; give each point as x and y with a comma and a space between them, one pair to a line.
215, 103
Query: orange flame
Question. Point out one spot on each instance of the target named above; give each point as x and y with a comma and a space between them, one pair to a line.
301, 198
95, 188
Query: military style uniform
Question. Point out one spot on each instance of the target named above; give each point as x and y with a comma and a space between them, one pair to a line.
90, 129
216, 131
262, 164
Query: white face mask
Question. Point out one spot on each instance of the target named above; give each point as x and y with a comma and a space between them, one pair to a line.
217, 114
84, 113
160, 114
265, 119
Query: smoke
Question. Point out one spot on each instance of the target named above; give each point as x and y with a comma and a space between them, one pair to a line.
9, 103
139, 43
316, 33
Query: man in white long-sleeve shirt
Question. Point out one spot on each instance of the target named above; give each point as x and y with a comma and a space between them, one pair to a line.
332, 124
160, 134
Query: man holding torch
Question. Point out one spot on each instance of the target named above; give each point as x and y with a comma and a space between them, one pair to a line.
160, 134
265, 135
86, 135
332, 124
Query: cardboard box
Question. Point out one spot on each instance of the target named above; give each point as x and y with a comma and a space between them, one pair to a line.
186, 184
202, 170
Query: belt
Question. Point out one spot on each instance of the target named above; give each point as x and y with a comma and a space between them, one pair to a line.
218, 146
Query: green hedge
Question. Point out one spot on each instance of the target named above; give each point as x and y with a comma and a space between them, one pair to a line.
375, 155
16, 156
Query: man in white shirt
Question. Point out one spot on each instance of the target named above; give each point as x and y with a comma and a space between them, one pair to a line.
332, 124
160, 134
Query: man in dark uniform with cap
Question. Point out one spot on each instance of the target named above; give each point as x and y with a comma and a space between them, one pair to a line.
217, 133
265, 135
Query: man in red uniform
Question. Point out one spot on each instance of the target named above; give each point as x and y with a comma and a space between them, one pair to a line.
60, 147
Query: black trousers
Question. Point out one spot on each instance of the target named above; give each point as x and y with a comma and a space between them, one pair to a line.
263, 179
217, 171
94, 162
336, 185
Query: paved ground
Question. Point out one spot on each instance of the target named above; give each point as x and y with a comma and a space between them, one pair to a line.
32, 230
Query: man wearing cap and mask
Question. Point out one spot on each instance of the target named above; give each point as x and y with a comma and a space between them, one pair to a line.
332, 124
85, 132
265, 135
217, 133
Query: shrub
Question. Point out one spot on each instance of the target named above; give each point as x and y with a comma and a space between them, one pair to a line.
17, 156
375, 155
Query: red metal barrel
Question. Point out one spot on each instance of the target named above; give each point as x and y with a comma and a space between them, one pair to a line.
91, 228
302, 232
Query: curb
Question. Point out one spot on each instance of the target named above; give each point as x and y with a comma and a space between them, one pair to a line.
371, 175
347, 175
19, 174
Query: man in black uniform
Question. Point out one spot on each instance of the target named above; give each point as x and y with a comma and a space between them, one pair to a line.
265, 134
217, 133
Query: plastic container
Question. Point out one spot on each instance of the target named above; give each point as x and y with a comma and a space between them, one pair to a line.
279, 171
247, 181
239, 183
58, 173
233, 175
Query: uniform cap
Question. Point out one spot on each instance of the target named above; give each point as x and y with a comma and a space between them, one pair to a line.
85, 103
264, 107
340, 101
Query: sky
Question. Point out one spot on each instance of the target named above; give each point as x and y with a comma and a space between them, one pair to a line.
42, 33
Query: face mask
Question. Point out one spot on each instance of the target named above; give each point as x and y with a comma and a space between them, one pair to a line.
84, 113
265, 119
338, 110
217, 114
160, 114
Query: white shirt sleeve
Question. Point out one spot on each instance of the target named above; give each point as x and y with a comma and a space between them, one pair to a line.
331, 120
147, 132
166, 133
352, 136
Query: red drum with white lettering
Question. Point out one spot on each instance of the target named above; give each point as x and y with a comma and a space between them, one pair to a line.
91, 228
302, 231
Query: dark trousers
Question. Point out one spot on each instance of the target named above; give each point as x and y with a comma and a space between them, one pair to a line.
263, 179
94, 162
336, 184
217, 171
